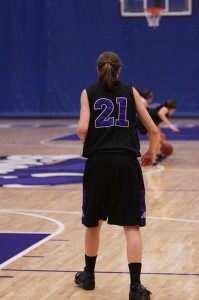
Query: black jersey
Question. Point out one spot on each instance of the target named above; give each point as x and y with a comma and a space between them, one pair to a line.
112, 126
153, 112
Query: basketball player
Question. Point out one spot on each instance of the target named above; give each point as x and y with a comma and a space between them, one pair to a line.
146, 97
113, 187
159, 115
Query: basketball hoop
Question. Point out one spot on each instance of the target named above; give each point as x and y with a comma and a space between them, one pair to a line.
153, 15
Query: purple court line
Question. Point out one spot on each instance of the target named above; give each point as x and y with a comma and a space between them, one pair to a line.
165, 190
103, 272
59, 241
147, 190
35, 256
6, 276
80, 189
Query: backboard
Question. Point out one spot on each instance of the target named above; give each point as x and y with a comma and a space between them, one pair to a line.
136, 8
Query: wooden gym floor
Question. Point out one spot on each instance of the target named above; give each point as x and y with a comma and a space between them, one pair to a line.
45, 268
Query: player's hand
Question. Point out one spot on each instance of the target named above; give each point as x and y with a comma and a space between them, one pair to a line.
147, 159
174, 128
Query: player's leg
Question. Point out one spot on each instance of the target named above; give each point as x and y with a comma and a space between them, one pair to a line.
134, 252
94, 212
134, 243
86, 278
159, 155
134, 256
92, 238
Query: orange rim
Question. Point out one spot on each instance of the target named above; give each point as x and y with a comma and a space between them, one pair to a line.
155, 11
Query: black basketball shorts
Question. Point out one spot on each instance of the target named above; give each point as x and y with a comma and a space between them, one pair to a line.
113, 190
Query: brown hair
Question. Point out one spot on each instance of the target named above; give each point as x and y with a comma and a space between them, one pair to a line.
170, 103
108, 64
147, 93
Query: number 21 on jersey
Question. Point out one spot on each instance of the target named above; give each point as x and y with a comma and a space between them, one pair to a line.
107, 107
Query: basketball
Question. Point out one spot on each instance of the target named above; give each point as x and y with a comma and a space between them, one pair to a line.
166, 149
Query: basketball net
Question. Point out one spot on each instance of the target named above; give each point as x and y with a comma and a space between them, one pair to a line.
153, 15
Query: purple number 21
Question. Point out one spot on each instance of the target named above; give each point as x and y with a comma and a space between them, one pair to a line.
107, 107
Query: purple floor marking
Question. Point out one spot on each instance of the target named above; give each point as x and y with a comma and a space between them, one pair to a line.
103, 272
33, 256
59, 240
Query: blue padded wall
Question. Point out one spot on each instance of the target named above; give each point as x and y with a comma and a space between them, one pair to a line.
49, 50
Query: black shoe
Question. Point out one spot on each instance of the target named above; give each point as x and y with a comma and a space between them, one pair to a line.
155, 163
139, 292
160, 157
85, 280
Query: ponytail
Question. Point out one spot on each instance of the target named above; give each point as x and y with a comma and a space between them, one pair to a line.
108, 65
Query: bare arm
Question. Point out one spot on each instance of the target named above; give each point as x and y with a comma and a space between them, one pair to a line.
147, 158
162, 114
82, 127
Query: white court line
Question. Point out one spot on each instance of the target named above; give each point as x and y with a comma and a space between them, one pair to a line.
79, 213
153, 170
41, 211
174, 219
58, 231
60, 227
47, 141
157, 169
